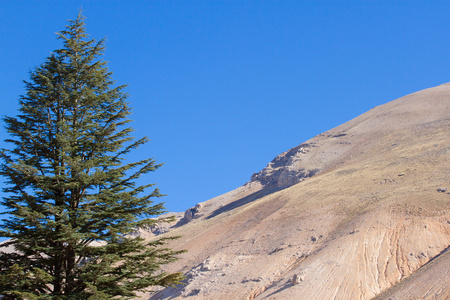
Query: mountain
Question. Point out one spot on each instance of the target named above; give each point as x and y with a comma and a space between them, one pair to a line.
361, 211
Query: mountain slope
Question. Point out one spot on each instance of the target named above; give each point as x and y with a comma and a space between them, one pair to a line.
346, 215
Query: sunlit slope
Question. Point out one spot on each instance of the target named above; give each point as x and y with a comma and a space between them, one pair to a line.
368, 218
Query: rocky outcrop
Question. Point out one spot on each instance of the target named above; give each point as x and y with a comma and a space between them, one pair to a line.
191, 213
286, 169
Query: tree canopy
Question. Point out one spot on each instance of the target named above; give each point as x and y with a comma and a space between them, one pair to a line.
71, 197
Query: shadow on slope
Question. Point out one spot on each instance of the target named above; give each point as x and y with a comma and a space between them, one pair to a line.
245, 200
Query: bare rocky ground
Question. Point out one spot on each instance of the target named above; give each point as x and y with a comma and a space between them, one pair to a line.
360, 211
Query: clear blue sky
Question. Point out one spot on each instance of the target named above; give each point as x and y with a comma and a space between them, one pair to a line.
222, 87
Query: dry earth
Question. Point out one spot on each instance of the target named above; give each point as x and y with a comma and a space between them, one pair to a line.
357, 212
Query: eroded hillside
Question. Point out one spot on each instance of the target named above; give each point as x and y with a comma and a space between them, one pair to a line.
356, 211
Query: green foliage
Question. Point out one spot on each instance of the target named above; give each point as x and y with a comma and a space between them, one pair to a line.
73, 200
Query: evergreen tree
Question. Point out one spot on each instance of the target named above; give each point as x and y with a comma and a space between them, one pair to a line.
73, 201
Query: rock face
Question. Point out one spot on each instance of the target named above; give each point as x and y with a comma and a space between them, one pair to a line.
357, 212
286, 169
190, 214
